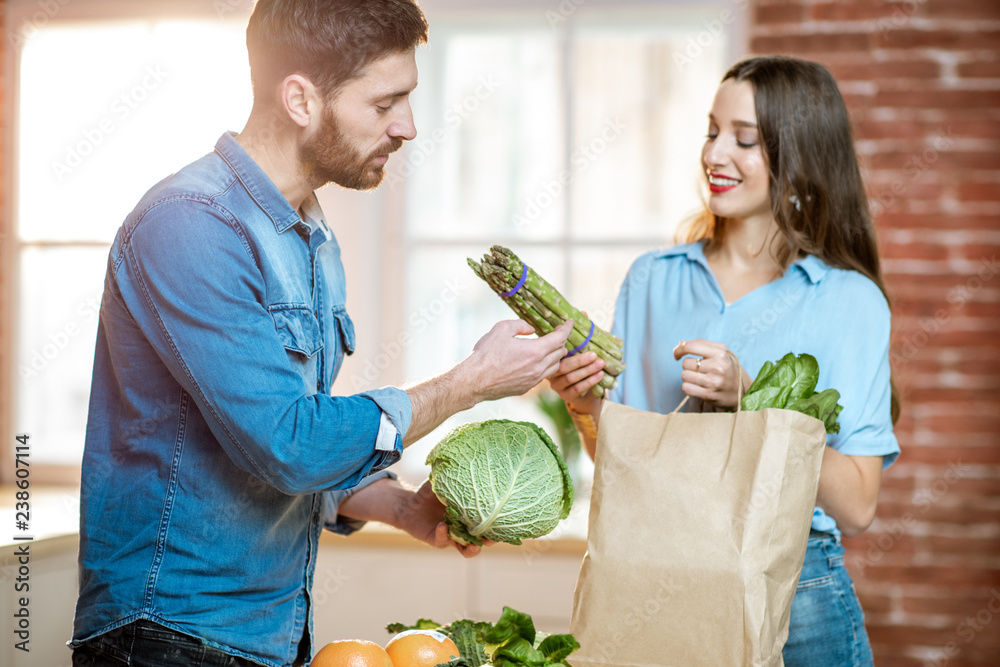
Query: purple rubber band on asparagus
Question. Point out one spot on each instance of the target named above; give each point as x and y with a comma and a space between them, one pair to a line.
584, 343
520, 283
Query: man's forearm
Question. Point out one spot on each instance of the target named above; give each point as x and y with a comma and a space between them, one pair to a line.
417, 512
436, 400
383, 501
501, 364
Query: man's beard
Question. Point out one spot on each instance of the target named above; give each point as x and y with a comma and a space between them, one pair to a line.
329, 157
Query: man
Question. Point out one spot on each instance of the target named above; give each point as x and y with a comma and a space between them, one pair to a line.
215, 454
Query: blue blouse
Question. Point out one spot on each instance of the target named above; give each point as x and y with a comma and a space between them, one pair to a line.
838, 316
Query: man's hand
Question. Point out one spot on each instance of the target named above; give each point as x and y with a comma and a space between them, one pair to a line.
423, 518
501, 364
504, 365
416, 512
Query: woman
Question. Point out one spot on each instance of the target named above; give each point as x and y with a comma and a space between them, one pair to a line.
784, 260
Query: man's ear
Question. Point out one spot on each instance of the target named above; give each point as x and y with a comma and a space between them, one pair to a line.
299, 99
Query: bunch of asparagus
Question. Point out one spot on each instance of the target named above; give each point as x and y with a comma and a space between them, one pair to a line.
543, 307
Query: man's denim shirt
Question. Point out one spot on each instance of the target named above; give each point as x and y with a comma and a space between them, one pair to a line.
214, 448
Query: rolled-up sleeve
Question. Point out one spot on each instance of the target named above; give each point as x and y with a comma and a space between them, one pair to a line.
395, 404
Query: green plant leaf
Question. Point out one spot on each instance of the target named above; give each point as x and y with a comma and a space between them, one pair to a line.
557, 648
520, 651
763, 397
566, 434
823, 406
466, 634
806, 375
512, 624
421, 624
510, 642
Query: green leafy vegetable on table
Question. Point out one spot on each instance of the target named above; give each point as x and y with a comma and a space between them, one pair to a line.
500, 480
790, 384
464, 633
511, 642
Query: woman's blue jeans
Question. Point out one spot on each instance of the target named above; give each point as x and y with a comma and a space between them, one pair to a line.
827, 627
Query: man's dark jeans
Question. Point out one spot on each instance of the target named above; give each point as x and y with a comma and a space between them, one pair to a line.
146, 644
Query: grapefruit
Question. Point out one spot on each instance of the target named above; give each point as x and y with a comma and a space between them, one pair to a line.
351, 653
421, 648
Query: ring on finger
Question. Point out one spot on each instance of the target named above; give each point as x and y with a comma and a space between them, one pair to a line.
697, 367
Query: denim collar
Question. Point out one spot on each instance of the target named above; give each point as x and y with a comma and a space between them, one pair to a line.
261, 188
812, 266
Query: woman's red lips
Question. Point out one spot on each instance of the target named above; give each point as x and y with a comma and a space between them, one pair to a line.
718, 183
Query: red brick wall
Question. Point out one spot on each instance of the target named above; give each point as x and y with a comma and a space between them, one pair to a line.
922, 80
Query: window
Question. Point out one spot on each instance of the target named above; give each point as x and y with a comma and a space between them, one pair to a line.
105, 110
576, 145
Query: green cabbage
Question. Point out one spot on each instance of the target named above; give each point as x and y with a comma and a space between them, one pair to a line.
500, 480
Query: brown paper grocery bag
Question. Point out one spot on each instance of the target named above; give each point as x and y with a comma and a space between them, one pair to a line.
698, 529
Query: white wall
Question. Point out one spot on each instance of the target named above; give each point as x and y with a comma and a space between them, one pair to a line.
359, 589
52, 579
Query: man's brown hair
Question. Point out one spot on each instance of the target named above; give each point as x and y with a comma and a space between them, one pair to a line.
329, 42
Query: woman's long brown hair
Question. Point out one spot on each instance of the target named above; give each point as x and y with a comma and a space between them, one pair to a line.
817, 196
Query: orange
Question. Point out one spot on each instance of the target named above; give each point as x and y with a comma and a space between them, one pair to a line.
421, 648
351, 653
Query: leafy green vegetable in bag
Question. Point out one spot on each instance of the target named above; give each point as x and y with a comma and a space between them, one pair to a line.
790, 384
823, 406
500, 480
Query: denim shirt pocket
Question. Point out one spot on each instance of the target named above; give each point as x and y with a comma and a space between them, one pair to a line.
347, 340
299, 331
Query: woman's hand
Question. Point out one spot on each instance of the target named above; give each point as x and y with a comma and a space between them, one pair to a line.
574, 379
712, 374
